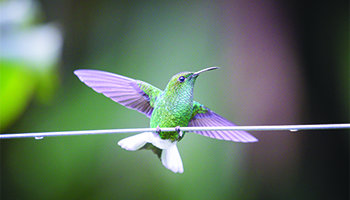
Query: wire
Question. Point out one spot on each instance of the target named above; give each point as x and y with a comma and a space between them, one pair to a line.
292, 128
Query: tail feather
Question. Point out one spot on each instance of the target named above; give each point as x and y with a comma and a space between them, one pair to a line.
155, 150
134, 142
171, 159
166, 150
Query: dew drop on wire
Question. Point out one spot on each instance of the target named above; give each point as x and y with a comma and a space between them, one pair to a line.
293, 130
39, 138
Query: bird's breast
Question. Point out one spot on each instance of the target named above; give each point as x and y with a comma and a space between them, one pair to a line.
171, 113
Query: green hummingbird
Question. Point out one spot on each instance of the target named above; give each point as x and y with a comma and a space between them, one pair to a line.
173, 107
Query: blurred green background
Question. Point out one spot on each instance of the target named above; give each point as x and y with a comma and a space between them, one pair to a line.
281, 63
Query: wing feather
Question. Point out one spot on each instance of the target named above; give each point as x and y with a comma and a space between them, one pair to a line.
203, 116
133, 94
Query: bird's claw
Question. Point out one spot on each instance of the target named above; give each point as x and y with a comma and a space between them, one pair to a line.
158, 130
177, 129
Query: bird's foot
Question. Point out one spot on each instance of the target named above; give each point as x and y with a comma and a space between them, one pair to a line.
158, 130
177, 129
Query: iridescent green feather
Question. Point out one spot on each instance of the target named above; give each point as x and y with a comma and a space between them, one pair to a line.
151, 92
174, 106
198, 108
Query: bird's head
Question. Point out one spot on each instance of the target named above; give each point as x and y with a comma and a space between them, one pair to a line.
184, 81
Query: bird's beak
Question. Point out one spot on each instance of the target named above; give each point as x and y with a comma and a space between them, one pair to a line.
204, 70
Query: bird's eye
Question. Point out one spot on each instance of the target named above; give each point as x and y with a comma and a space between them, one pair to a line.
181, 79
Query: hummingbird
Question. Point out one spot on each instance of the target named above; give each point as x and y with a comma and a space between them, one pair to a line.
173, 107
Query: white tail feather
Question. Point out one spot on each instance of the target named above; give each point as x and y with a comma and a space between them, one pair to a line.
171, 159
170, 155
135, 142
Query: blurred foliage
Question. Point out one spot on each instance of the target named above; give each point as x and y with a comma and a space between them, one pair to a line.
29, 56
16, 90
271, 73
18, 85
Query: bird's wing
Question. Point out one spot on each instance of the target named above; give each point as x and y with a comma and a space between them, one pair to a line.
133, 94
203, 116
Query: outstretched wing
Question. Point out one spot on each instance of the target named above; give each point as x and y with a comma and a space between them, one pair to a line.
133, 94
203, 116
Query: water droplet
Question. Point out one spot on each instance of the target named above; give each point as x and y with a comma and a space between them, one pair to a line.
39, 137
293, 130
